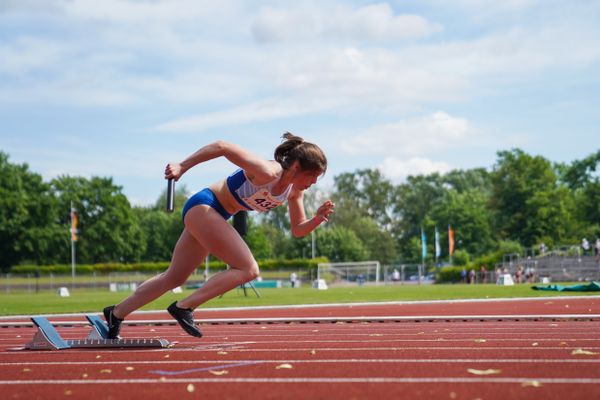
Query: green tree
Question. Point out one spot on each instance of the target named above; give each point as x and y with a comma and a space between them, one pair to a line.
582, 179
28, 217
108, 229
527, 201
161, 230
157, 233
340, 244
258, 240
413, 202
467, 180
468, 214
370, 192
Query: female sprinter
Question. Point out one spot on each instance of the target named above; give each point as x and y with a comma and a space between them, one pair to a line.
258, 185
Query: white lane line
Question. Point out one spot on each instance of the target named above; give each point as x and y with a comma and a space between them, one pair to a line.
592, 381
323, 361
192, 348
379, 304
453, 348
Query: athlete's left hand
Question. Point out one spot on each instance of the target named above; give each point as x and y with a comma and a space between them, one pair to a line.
325, 210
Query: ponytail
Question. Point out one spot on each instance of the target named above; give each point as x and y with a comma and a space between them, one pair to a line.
294, 148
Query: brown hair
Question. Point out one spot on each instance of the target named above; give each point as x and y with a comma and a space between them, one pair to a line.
294, 148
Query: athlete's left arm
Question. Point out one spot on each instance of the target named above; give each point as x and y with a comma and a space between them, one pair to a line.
301, 226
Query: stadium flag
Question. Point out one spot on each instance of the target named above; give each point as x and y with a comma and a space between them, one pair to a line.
450, 240
423, 244
73, 225
438, 249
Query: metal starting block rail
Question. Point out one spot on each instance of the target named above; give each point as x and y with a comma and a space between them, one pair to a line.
48, 338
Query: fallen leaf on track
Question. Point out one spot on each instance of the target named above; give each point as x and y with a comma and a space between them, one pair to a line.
480, 340
105, 371
583, 352
219, 373
129, 368
535, 344
284, 366
531, 384
376, 334
190, 388
484, 371
222, 353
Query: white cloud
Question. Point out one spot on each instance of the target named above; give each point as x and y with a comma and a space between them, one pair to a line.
371, 22
259, 111
147, 12
412, 137
398, 170
27, 53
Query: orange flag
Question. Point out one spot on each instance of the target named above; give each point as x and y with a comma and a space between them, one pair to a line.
450, 240
73, 225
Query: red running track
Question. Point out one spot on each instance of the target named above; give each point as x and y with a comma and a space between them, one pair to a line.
488, 359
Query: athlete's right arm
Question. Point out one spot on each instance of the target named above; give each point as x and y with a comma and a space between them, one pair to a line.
262, 170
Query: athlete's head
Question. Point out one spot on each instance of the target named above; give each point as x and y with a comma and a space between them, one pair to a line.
307, 160
309, 156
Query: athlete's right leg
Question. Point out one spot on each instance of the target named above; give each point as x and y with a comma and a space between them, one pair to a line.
221, 240
187, 256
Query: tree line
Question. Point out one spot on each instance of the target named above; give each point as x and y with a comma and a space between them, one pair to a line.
521, 201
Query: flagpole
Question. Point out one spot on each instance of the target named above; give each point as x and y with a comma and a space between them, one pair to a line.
423, 253
72, 246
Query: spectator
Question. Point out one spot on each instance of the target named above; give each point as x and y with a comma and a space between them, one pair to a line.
519, 274
597, 247
293, 279
585, 245
542, 248
482, 274
395, 275
472, 276
361, 279
463, 275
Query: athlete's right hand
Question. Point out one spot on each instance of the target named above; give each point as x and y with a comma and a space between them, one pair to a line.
173, 171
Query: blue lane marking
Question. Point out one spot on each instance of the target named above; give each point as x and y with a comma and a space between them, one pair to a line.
215, 367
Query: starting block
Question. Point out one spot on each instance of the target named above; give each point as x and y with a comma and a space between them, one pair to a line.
48, 338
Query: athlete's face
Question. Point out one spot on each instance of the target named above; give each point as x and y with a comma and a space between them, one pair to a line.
305, 179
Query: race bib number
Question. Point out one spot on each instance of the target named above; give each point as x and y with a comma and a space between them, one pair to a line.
262, 201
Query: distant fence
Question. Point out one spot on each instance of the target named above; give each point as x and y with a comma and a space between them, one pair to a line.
555, 267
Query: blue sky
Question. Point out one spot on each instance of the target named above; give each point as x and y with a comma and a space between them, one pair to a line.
119, 88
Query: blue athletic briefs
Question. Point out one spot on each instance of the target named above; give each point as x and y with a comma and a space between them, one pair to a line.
207, 197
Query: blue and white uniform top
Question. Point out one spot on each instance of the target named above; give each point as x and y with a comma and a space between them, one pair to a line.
253, 197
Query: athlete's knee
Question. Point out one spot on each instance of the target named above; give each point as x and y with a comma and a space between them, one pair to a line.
172, 281
252, 272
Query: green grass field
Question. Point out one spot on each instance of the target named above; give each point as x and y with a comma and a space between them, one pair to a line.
23, 303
